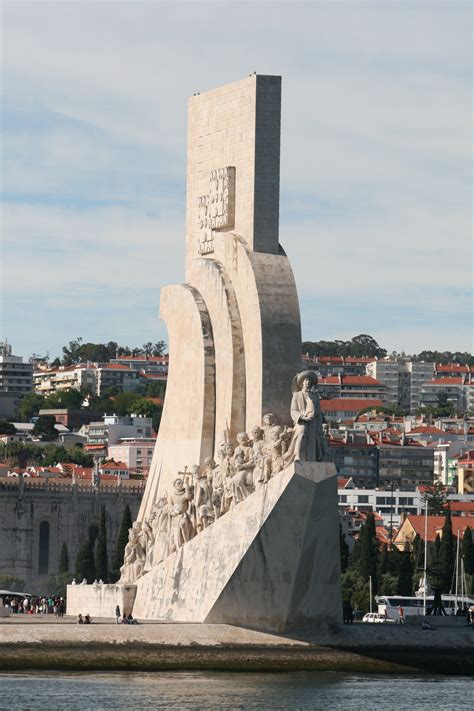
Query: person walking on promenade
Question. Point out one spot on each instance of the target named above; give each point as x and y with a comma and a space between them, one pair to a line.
401, 615
117, 615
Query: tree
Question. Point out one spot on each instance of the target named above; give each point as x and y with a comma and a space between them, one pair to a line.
79, 352
12, 583
355, 590
388, 584
6, 428
124, 403
467, 551
156, 388
70, 398
447, 555
29, 406
344, 548
19, 454
57, 584
122, 541
45, 428
367, 564
405, 575
101, 564
64, 559
85, 566
359, 346
435, 497
92, 533
147, 408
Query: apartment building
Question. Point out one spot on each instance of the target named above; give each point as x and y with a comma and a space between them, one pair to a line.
452, 387
16, 379
94, 377
346, 408
348, 386
135, 453
405, 466
112, 428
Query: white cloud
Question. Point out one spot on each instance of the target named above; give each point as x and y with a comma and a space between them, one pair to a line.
376, 174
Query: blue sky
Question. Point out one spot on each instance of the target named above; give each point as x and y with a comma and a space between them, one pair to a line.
376, 173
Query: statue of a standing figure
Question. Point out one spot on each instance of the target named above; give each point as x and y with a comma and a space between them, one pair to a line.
309, 442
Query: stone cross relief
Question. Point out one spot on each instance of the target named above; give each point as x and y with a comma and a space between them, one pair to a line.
202, 495
216, 210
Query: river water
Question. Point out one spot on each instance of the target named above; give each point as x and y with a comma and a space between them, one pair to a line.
213, 690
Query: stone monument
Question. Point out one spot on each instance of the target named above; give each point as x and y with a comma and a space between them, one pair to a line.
238, 522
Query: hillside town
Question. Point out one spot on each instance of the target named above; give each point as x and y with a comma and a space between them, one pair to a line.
77, 439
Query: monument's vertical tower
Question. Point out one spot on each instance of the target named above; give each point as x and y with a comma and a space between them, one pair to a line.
234, 327
237, 126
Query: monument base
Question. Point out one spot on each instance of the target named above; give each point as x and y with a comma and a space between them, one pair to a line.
100, 600
271, 563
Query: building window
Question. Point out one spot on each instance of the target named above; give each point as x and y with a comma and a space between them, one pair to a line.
43, 558
363, 499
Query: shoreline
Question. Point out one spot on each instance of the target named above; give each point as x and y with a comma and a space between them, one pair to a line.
104, 646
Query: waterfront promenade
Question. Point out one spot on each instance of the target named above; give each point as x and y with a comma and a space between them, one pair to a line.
60, 644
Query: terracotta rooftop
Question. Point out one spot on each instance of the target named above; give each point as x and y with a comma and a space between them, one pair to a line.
445, 381
348, 404
435, 525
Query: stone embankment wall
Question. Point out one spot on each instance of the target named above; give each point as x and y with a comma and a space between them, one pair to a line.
367, 649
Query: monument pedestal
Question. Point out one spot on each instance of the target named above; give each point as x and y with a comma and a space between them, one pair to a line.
100, 600
271, 563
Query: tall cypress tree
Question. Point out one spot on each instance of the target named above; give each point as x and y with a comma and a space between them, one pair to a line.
64, 559
85, 565
368, 552
383, 568
447, 553
122, 540
101, 565
436, 498
344, 548
405, 574
467, 551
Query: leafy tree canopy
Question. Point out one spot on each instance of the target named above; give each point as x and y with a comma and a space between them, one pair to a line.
121, 542
12, 583
19, 454
445, 357
359, 346
45, 428
64, 559
6, 428
436, 498
79, 352
29, 406
70, 398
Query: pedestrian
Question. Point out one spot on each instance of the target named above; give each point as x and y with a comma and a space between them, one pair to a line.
401, 615
117, 615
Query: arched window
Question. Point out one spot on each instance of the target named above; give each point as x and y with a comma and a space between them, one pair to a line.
43, 559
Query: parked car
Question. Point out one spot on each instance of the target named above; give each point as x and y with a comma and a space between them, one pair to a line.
375, 617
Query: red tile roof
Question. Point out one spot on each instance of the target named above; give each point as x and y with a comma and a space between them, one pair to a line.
113, 466
148, 359
354, 360
428, 430
348, 404
359, 380
435, 525
342, 482
462, 506
445, 381
452, 368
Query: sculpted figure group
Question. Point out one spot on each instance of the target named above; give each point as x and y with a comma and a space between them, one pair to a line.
201, 495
